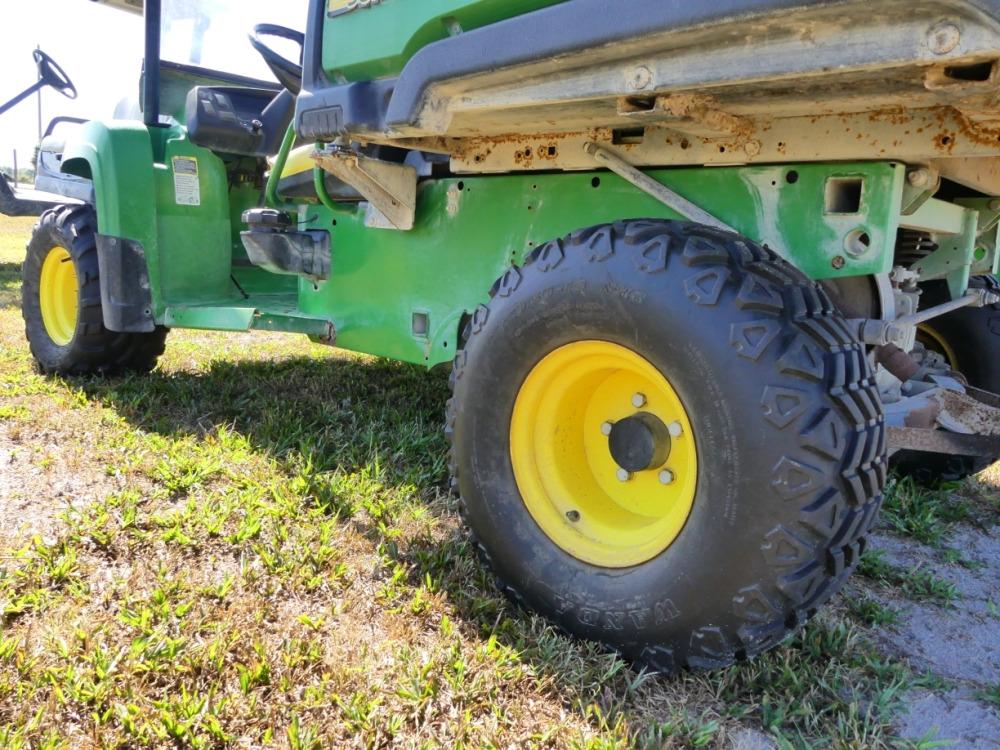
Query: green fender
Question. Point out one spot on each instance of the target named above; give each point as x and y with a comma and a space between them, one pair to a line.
118, 157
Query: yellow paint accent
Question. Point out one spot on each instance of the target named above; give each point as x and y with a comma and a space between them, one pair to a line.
299, 161
934, 341
563, 465
59, 295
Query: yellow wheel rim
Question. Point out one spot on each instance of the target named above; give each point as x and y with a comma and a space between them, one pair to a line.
569, 480
59, 295
937, 343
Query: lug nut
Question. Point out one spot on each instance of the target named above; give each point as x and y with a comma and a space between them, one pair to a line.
573, 516
638, 400
675, 429
606, 428
666, 477
623, 475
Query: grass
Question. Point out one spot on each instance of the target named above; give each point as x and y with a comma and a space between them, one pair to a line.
926, 514
13, 235
990, 695
869, 611
254, 546
916, 582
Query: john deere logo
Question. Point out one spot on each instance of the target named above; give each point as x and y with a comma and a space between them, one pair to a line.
337, 7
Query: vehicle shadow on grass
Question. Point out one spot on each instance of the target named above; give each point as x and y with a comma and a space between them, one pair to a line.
343, 415
328, 416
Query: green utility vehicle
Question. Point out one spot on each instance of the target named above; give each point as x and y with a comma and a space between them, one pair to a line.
698, 268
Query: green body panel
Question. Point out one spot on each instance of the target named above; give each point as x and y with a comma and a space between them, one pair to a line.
376, 41
193, 252
195, 240
469, 231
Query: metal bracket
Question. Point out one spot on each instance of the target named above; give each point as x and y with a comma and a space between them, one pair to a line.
921, 184
953, 258
658, 190
986, 255
389, 187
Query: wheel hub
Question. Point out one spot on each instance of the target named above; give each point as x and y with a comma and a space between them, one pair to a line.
603, 453
58, 296
640, 442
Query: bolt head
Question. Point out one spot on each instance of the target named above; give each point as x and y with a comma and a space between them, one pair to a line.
639, 400
666, 477
675, 429
572, 516
606, 428
943, 37
623, 475
918, 177
640, 77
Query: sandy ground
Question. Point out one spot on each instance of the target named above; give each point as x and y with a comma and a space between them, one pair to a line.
960, 643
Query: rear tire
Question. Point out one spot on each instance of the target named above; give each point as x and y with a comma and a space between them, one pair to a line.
781, 406
61, 305
969, 340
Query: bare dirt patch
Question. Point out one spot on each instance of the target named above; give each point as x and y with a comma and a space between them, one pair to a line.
955, 642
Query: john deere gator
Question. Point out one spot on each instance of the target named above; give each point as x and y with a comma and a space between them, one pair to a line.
699, 269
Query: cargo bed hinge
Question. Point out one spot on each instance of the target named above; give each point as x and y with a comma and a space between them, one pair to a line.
388, 187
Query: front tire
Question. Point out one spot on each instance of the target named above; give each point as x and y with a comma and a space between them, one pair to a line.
765, 509
61, 302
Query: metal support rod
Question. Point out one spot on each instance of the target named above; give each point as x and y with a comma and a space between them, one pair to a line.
319, 182
151, 65
898, 331
972, 298
647, 184
271, 191
39, 102
22, 96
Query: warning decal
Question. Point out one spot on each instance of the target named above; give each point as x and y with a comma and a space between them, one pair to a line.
187, 189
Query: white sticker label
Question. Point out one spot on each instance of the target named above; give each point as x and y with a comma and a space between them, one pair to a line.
187, 189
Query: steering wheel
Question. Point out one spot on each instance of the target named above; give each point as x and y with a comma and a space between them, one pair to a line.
52, 75
289, 74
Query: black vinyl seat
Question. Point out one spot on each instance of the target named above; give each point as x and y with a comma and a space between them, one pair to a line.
239, 120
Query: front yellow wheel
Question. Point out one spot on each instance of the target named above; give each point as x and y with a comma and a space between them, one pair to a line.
58, 295
61, 301
603, 453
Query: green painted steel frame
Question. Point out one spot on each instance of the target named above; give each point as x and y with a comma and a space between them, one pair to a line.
470, 230
966, 234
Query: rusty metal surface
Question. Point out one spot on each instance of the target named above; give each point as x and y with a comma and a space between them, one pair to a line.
911, 80
390, 187
936, 135
964, 414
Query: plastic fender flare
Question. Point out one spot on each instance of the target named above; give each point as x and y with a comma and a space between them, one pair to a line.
118, 158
